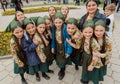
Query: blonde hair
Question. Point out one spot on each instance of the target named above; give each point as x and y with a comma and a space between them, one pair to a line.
110, 7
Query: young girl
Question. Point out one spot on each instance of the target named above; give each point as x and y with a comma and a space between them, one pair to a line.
65, 10
59, 45
75, 40
43, 49
52, 10
48, 25
105, 47
19, 17
30, 45
17, 51
89, 45
109, 12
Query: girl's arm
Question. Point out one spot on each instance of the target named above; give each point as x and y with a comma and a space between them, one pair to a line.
13, 49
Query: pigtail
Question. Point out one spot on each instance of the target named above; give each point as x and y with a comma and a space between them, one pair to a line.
103, 49
82, 50
21, 54
91, 55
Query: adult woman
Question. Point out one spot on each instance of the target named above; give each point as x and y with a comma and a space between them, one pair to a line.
19, 17
92, 13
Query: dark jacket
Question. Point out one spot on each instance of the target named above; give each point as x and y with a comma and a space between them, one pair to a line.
97, 16
29, 48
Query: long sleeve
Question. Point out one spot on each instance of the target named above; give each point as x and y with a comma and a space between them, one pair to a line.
13, 48
28, 47
39, 49
53, 37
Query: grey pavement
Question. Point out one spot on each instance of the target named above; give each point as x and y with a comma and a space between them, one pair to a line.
72, 76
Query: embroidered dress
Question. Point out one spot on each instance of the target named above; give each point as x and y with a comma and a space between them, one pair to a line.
76, 54
106, 56
90, 75
18, 55
60, 52
41, 51
61, 47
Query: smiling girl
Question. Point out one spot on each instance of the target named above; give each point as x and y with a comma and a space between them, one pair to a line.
17, 52
75, 41
89, 45
105, 47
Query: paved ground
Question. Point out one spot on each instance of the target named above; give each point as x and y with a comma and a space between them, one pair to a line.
72, 76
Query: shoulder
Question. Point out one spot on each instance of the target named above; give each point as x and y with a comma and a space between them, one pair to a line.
108, 40
100, 15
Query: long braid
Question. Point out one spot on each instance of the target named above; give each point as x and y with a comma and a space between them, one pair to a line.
103, 49
21, 53
82, 50
91, 55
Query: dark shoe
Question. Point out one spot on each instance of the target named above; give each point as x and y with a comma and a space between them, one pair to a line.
24, 81
38, 79
50, 71
59, 73
84, 82
44, 75
61, 76
76, 67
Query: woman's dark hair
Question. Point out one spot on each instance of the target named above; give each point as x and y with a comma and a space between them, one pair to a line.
24, 26
96, 1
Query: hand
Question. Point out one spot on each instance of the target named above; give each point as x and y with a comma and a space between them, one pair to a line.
20, 64
47, 35
66, 56
52, 50
35, 41
90, 68
68, 40
96, 53
43, 59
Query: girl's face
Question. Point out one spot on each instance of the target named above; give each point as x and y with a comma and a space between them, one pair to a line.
18, 32
99, 31
87, 32
48, 23
58, 23
64, 10
52, 11
20, 16
107, 12
91, 7
71, 28
41, 28
30, 29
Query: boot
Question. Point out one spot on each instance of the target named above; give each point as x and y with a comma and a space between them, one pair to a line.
50, 71
84, 82
37, 77
44, 75
62, 73
76, 67
59, 72
24, 81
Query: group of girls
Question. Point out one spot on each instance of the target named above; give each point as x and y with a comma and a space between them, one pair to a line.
37, 41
